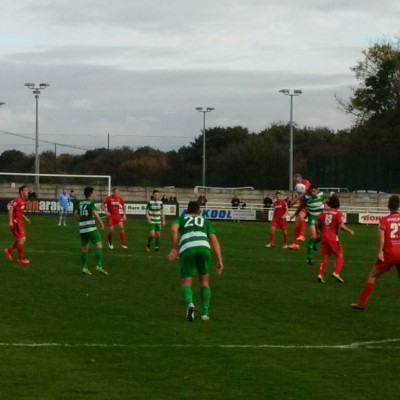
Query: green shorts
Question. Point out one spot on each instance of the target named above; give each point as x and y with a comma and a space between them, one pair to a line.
92, 237
312, 219
155, 228
195, 259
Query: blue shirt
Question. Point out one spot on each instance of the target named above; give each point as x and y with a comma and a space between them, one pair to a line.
64, 200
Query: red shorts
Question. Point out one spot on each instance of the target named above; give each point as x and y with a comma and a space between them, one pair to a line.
329, 247
18, 230
114, 220
279, 223
385, 266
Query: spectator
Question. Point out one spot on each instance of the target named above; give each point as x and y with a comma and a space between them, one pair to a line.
289, 203
31, 195
242, 204
164, 199
268, 203
235, 202
202, 200
172, 199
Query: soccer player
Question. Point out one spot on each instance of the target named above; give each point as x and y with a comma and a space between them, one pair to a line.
388, 250
281, 210
195, 236
155, 217
111, 206
16, 219
314, 202
86, 214
300, 220
64, 200
330, 221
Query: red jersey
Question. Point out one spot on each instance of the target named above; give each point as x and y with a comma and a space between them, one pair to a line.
306, 183
280, 208
113, 204
391, 226
330, 221
18, 205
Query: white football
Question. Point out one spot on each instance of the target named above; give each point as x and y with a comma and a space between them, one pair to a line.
300, 188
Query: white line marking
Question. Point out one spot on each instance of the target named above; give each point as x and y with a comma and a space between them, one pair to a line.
376, 344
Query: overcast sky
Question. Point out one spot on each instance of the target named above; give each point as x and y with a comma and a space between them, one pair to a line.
136, 70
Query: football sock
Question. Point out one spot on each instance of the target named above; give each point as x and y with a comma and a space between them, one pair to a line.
296, 235
149, 240
20, 248
84, 259
109, 237
13, 246
205, 294
60, 219
368, 288
338, 265
187, 294
302, 228
157, 242
285, 238
99, 256
322, 266
272, 237
310, 245
122, 237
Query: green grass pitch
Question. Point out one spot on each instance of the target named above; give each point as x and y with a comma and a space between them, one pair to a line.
274, 333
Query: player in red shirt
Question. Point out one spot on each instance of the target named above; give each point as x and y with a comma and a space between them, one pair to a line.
300, 220
388, 250
16, 218
329, 222
111, 206
279, 220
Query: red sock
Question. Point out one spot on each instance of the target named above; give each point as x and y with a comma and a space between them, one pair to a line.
109, 236
296, 234
272, 237
13, 246
322, 266
122, 237
285, 239
20, 248
302, 228
338, 265
368, 288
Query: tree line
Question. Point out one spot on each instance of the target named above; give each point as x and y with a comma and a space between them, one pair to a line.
361, 157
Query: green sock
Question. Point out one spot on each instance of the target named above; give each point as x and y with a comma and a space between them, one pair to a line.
149, 240
187, 294
310, 245
157, 242
205, 294
99, 256
84, 259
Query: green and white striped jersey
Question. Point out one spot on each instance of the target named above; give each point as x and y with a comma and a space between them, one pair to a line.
194, 231
155, 208
314, 205
85, 209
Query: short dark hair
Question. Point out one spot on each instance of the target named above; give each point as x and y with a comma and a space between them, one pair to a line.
21, 189
156, 191
193, 207
394, 203
278, 192
88, 191
333, 201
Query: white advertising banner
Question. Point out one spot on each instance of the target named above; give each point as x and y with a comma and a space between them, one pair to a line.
370, 218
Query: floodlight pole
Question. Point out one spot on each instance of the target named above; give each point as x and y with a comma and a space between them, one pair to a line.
204, 111
36, 92
286, 92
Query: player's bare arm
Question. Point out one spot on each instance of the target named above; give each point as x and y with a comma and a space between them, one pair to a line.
163, 218
217, 250
344, 228
26, 219
173, 254
98, 219
381, 244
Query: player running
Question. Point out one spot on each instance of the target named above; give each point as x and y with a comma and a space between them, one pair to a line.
16, 224
86, 214
329, 222
281, 211
195, 236
155, 217
388, 250
64, 200
111, 206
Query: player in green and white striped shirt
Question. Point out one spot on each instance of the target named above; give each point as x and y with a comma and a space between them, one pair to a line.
155, 217
314, 201
86, 214
195, 237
